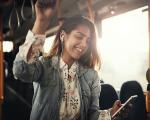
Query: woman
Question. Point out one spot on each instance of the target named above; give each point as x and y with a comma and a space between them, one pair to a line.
66, 86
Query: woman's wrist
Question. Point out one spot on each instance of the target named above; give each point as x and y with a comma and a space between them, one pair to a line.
111, 111
40, 26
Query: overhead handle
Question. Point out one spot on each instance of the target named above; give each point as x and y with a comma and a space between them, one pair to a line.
15, 12
22, 10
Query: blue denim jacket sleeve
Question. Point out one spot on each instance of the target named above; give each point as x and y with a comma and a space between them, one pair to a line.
22, 69
93, 112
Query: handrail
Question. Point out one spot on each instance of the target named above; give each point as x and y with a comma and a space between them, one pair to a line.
149, 30
1, 60
1, 66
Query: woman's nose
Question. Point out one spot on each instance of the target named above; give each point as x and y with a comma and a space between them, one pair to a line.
84, 43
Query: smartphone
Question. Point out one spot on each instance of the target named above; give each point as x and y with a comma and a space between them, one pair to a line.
126, 104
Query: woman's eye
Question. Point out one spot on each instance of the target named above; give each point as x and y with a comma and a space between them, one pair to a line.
79, 37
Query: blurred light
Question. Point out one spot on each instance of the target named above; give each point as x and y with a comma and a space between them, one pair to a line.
112, 12
7, 46
6, 69
124, 48
48, 43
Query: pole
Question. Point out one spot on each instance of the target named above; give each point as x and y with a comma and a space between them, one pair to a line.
1, 66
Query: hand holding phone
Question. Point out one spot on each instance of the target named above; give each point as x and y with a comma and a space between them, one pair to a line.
122, 110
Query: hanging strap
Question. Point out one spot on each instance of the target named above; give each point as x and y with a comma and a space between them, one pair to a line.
15, 12
23, 7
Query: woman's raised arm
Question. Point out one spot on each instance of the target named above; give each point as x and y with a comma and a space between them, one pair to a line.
27, 65
44, 11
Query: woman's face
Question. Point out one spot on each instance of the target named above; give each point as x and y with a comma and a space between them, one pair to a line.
76, 43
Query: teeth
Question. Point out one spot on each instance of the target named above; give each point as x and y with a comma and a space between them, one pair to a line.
79, 49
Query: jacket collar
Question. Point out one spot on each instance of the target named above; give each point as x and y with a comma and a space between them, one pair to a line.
55, 64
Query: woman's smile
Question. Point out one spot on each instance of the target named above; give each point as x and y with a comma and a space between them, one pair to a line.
76, 43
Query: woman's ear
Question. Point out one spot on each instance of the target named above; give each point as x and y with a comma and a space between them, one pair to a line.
62, 35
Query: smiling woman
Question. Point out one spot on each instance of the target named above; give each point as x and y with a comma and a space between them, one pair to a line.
75, 43
66, 84
73, 32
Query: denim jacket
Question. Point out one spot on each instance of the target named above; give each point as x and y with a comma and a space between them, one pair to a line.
48, 87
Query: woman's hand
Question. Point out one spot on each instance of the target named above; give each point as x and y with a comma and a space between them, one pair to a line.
44, 12
123, 113
115, 107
